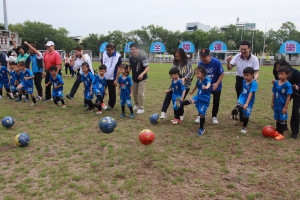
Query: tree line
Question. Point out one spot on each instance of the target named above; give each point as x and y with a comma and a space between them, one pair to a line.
39, 33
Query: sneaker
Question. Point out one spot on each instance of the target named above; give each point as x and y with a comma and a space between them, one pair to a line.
122, 115
19, 99
109, 108
234, 113
201, 131
140, 111
45, 100
63, 106
215, 120
198, 119
279, 137
69, 97
294, 135
131, 116
181, 118
32, 105
39, 98
163, 115
244, 130
26, 100
103, 106
99, 112
135, 108
10, 95
89, 110
176, 121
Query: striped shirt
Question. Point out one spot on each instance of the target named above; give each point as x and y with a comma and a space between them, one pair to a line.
186, 71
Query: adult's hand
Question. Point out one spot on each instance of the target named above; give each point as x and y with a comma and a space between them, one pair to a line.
229, 58
115, 83
140, 77
215, 86
43, 74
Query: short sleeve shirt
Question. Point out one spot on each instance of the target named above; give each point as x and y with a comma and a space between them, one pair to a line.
125, 85
51, 59
177, 88
138, 65
27, 73
3, 74
56, 82
280, 94
203, 94
99, 83
241, 64
87, 80
247, 89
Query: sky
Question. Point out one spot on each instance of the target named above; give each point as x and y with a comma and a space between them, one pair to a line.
82, 17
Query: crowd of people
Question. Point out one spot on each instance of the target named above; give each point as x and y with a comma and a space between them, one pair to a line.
19, 74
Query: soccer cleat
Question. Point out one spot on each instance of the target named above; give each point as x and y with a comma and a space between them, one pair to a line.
39, 98
176, 121
103, 106
99, 112
198, 119
279, 137
234, 113
122, 115
181, 118
135, 108
201, 131
26, 100
140, 111
69, 97
32, 105
215, 120
244, 130
131, 116
163, 115
19, 99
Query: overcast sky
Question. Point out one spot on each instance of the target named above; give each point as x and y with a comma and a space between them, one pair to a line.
81, 17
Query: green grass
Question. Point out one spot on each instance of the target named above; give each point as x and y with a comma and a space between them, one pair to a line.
69, 158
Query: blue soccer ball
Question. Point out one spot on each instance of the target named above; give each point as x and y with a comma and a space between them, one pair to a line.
8, 122
107, 124
154, 119
22, 139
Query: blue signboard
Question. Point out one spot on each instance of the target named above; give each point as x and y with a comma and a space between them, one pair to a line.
187, 46
157, 47
218, 46
103, 47
290, 47
126, 48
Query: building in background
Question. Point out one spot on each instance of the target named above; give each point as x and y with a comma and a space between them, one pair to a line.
77, 39
193, 26
240, 25
5, 40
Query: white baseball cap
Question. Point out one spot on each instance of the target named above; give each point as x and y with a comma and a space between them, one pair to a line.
49, 43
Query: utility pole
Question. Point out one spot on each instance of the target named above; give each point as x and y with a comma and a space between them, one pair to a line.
5, 15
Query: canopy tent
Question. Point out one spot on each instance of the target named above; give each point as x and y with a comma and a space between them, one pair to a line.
102, 49
187, 46
157, 47
127, 49
291, 50
219, 49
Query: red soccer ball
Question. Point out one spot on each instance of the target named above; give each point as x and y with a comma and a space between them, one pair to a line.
146, 137
269, 131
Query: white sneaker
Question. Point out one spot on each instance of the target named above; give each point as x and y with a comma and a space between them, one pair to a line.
135, 108
244, 130
140, 111
181, 118
215, 120
198, 119
163, 115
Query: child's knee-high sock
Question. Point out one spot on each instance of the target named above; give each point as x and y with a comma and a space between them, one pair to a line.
7, 90
62, 101
241, 116
90, 104
20, 95
26, 94
98, 105
33, 99
55, 101
131, 109
186, 102
1, 92
99, 97
16, 91
277, 125
202, 121
123, 109
282, 126
245, 121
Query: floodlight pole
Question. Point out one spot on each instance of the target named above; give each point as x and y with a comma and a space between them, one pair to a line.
253, 39
5, 15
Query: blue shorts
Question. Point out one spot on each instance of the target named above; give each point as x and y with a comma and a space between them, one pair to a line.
27, 87
279, 116
95, 91
126, 100
174, 103
248, 111
57, 93
201, 105
6, 85
88, 95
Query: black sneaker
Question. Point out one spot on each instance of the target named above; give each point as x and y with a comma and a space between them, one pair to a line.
69, 97
294, 136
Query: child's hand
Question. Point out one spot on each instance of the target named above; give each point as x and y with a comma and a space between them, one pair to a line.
55, 87
91, 92
130, 95
272, 82
245, 106
25, 78
167, 91
205, 87
284, 110
191, 92
295, 87
272, 106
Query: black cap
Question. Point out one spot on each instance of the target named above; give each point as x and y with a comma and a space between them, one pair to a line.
204, 52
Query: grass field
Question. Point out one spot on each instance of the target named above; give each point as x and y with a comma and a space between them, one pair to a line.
69, 158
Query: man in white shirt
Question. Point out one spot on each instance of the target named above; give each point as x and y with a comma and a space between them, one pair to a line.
81, 57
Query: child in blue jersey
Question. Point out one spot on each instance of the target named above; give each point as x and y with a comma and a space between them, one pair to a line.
58, 86
282, 91
87, 78
178, 93
125, 90
99, 87
5, 81
246, 98
13, 76
202, 99
26, 84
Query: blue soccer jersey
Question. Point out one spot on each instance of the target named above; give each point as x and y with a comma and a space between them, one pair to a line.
247, 88
56, 82
87, 80
27, 73
203, 94
3, 75
177, 89
99, 83
125, 85
280, 94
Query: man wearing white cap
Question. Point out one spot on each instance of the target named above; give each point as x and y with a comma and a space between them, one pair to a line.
51, 57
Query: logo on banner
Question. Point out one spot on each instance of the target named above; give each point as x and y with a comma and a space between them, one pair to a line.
157, 47
186, 47
127, 47
218, 46
290, 47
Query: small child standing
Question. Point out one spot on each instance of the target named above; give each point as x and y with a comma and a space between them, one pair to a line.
13, 76
178, 93
4, 80
26, 84
202, 99
125, 90
282, 91
57, 91
99, 87
246, 98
